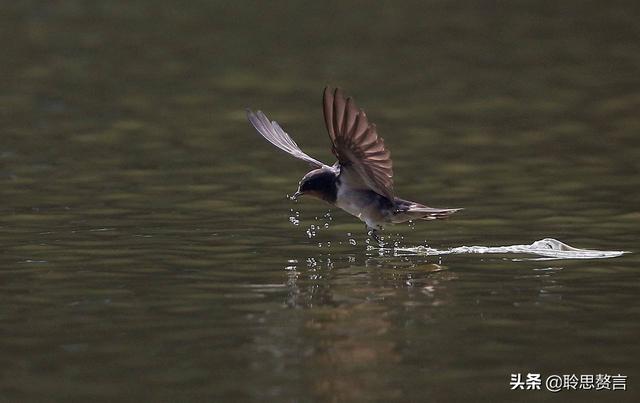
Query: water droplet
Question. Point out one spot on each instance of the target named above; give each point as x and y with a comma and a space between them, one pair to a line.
294, 217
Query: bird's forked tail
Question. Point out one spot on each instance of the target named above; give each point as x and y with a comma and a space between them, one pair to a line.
408, 210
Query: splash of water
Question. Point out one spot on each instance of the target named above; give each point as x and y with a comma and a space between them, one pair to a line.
312, 231
294, 217
548, 248
322, 223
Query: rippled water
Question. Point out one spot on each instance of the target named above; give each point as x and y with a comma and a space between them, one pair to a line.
549, 248
150, 252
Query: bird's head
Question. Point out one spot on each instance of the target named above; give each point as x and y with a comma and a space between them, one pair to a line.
320, 183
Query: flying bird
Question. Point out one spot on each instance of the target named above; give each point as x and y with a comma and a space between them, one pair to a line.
361, 181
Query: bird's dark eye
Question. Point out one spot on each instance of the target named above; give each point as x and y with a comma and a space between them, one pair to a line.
306, 185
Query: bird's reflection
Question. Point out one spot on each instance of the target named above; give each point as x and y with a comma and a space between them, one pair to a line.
350, 316
321, 281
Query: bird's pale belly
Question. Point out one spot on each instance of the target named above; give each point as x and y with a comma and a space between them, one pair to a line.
365, 205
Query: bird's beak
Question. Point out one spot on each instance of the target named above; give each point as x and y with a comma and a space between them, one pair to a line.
296, 195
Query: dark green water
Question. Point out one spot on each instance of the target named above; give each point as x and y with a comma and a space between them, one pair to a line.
146, 248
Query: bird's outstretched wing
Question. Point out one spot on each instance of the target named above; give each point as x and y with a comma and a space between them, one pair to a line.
356, 143
272, 131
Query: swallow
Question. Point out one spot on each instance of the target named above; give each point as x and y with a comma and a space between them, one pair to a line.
361, 181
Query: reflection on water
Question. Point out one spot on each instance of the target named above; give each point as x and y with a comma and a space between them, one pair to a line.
353, 324
149, 252
358, 319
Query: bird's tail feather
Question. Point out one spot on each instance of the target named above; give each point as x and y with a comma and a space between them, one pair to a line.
429, 213
407, 210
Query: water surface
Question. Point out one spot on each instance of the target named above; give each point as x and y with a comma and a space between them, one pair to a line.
147, 251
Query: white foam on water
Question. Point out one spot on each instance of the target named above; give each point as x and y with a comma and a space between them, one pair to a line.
549, 248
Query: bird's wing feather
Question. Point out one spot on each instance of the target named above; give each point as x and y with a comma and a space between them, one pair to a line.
272, 131
360, 151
